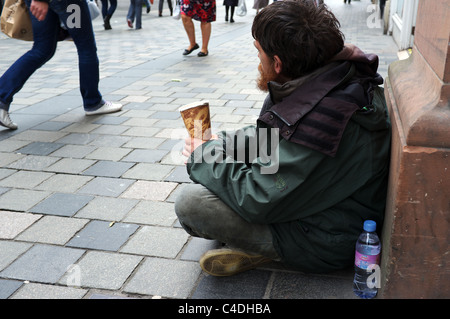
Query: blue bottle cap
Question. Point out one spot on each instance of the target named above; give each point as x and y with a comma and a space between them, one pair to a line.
370, 226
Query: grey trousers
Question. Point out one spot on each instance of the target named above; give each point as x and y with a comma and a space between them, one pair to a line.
203, 214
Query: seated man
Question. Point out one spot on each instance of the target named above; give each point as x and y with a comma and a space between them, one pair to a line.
321, 165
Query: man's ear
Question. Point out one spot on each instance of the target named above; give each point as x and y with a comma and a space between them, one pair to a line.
278, 65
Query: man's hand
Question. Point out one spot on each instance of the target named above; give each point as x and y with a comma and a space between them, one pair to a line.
39, 9
190, 144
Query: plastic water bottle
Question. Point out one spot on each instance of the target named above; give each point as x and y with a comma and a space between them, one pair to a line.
367, 258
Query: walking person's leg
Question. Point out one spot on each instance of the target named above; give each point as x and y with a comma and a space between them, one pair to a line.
160, 7
131, 13
138, 14
88, 63
205, 28
45, 40
188, 25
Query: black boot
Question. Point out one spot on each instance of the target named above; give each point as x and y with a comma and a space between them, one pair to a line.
107, 25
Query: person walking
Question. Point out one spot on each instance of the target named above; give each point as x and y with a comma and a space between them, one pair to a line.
230, 5
108, 9
46, 17
199, 10
148, 6
349, 1
135, 12
161, 5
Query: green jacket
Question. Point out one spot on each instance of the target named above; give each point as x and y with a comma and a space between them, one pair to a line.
314, 200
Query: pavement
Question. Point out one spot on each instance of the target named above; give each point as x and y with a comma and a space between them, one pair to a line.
87, 203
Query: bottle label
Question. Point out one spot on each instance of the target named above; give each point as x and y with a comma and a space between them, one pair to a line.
363, 261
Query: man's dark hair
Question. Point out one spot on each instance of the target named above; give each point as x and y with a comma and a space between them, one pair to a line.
304, 37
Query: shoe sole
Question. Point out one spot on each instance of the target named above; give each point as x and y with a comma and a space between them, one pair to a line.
104, 111
228, 263
12, 127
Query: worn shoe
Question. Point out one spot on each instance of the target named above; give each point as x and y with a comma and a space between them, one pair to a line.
5, 120
108, 107
130, 23
227, 262
186, 51
202, 54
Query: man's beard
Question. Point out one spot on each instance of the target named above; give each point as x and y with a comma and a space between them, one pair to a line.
265, 76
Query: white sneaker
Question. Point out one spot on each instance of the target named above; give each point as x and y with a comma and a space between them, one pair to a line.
108, 107
5, 120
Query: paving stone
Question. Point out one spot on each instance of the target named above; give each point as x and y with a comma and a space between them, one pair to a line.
40, 148
197, 247
42, 263
156, 241
144, 142
103, 235
62, 204
10, 145
51, 126
70, 165
10, 250
64, 183
172, 144
25, 179
141, 131
74, 151
109, 153
179, 175
114, 130
33, 162
107, 208
110, 140
152, 213
105, 186
146, 156
39, 136
140, 114
165, 115
21, 199
172, 197
77, 138
288, 285
148, 171
111, 120
234, 97
247, 285
8, 287
104, 270
164, 277
82, 128
148, 190
53, 230
41, 291
108, 169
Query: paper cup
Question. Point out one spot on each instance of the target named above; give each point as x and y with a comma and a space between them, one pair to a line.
197, 119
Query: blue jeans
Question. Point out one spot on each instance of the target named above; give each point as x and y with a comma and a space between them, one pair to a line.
45, 40
108, 11
135, 11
